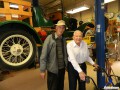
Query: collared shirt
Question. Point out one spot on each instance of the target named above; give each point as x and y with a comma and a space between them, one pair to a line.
78, 54
57, 36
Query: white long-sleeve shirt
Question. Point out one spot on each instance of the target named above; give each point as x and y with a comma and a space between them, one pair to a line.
78, 54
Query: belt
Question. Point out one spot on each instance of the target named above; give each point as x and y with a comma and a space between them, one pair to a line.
79, 63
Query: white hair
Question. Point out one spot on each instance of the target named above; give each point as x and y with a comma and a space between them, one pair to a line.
77, 31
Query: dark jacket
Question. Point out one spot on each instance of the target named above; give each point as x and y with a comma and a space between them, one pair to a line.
48, 59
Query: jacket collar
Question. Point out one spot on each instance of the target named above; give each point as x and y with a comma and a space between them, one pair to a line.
74, 44
54, 36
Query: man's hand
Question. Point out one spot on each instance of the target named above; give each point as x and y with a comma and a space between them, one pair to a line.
96, 66
42, 74
82, 76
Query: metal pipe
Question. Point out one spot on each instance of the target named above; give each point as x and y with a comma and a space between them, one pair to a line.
100, 40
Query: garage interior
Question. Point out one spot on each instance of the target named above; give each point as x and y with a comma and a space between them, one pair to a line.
29, 78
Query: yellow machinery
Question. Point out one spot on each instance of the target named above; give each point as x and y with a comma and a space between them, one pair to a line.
89, 40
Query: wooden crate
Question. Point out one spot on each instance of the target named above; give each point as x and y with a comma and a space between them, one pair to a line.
21, 12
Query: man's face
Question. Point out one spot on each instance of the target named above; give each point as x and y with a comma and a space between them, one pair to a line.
77, 37
60, 30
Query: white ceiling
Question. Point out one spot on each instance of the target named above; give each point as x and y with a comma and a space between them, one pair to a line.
50, 6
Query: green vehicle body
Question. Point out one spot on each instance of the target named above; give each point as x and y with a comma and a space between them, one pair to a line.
21, 25
18, 33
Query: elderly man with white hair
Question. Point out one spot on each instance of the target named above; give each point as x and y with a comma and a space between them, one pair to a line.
78, 54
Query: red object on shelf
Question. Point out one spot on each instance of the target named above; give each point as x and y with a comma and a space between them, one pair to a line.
43, 34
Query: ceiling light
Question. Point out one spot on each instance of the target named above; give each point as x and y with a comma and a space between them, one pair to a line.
107, 1
76, 10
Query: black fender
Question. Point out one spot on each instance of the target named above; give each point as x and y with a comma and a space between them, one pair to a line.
7, 25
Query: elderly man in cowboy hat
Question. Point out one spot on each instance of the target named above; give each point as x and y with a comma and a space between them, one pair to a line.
54, 58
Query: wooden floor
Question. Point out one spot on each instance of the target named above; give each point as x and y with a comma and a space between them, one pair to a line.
29, 79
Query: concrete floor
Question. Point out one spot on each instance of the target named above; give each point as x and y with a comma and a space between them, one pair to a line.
29, 79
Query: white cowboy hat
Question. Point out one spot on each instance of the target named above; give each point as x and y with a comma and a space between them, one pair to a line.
60, 23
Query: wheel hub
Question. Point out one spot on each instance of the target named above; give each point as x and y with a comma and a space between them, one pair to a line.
16, 49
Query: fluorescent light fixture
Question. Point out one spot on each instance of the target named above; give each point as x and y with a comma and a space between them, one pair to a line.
13, 5
107, 1
76, 10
